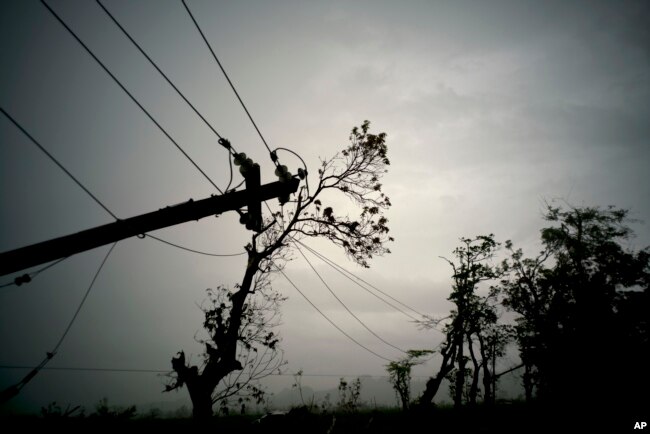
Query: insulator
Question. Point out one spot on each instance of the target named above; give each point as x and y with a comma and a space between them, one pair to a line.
284, 198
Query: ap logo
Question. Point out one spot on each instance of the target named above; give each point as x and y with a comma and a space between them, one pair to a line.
640, 425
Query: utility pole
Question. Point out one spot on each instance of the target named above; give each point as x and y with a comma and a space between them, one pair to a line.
252, 197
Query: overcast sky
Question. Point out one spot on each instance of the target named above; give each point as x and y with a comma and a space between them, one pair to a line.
491, 108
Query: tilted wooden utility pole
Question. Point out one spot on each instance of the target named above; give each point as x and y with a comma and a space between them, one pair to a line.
252, 197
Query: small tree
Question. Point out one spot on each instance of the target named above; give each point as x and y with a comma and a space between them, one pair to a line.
354, 173
349, 394
399, 375
472, 313
297, 384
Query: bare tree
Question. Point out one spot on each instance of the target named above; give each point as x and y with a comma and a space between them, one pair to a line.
355, 173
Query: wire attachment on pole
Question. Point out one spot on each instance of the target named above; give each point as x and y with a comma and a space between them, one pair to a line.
225, 143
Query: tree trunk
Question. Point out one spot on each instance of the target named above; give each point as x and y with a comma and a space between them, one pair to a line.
404, 396
201, 404
528, 383
459, 329
489, 385
492, 378
489, 381
473, 391
460, 374
433, 384
222, 359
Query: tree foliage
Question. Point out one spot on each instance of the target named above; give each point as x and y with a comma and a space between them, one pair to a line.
355, 173
580, 303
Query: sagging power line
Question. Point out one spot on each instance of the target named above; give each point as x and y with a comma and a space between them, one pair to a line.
356, 279
199, 252
328, 318
345, 306
13, 390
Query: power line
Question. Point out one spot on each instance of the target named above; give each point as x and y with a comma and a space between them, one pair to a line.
128, 35
214, 55
273, 154
83, 300
51, 157
222, 141
192, 250
344, 305
131, 96
225, 143
13, 390
328, 319
343, 271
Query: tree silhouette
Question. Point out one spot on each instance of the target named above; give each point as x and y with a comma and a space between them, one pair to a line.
258, 352
528, 292
583, 318
473, 321
399, 375
355, 173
